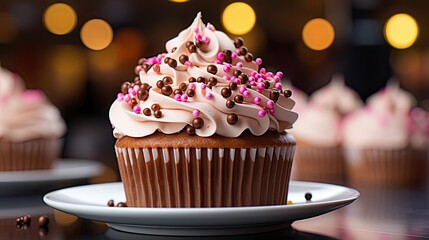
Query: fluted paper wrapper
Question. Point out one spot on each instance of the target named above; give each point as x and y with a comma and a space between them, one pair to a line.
205, 177
319, 164
380, 167
29, 155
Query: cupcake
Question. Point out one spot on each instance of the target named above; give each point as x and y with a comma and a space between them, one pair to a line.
203, 126
387, 141
319, 155
30, 127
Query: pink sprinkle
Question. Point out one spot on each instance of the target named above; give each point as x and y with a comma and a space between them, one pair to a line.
220, 55
211, 27
280, 74
276, 79
237, 50
158, 60
191, 86
253, 83
203, 86
260, 86
238, 81
184, 98
206, 39
136, 88
272, 111
270, 104
260, 80
262, 113
257, 100
270, 74
278, 86
127, 98
258, 61
253, 74
227, 78
239, 64
120, 97
252, 79
259, 90
234, 55
137, 109
156, 68
196, 113
262, 71
246, 93
242, 89
217, 62
226, 68
132, 92
178, 97
209, 96
188, 63
198, 37
196, 30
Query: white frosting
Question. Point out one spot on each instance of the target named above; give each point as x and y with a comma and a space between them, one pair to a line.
176, 115
10, 84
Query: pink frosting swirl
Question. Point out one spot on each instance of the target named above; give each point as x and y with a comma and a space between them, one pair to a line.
212, 85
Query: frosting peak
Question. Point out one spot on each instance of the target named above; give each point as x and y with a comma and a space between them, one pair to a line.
204, 84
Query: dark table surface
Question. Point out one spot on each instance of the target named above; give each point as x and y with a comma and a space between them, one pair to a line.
379, 213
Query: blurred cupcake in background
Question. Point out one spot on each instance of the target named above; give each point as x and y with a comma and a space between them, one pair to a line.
386, 142
319, 155
30, 126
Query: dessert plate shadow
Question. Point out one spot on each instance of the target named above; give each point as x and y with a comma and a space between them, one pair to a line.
90, 202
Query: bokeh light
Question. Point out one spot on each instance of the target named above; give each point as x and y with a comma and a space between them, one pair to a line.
178, 1
96, 34
238, 18
8, 28
318, 34
401, 31
60, 18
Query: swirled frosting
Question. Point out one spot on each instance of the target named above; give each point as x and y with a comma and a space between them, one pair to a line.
205, 84
10, 84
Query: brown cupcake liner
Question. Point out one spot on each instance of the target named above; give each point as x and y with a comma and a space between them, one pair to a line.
205, 177
29, 155
319, 164
379, 167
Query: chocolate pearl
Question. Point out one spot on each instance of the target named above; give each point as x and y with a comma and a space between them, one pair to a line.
43, 231
190, 92
26, 219
266, 84
308, 196
137, 79
146, 67
133, 102
132, 85
209, 85
173, 49
238, 42
192, 48
230, 104
157, 113
141, 61
159, 84
190, 130
192, 79
172, 63
287, 93
189, 43
213, 81
43, 220
166, 60
156, 68
243, 50
232, 118
124, 87
183, 86
233, 85
212, 69
147, 111
201, 80
226, 92
183, 58
243, 78
248, 57
198, 123
111, 203
19, 225
236, 72
19, 220
178, 91
167, 90
238, 98
167, 80
121, 204
146, 86
199, 43
155, 107
274, 95
227, 53
137, 69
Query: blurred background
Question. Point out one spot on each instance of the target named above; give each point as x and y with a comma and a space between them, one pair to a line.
79, 52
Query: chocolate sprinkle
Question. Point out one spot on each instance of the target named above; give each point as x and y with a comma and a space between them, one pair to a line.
157, 113
183, 86
173, 49
147, 111
236, 72
178, 91
183, 58
248, 57
189, 43
190, 130
212, 69
243, 50
192, 48
243, 78
192, 79
155, 107
274, 95
166, 60
287, 93
238, 42
201, 80
190, 92
167, 80
111, 203
172, 63
308, 196
198, 123
230, 104
146, 67
226, 92
238, 98
141, 61
167, 90
121, 204
43, 220
232, 118
233, 85
146, 86
133, 102
159, 84
124, 87
213, 81
199, 43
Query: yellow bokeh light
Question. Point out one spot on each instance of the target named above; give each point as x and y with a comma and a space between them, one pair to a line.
401, 31
318, 34
238, 18
60, 18
96, 34
178, 1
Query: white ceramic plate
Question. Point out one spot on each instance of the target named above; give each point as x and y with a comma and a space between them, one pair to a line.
91, 202
63, 170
